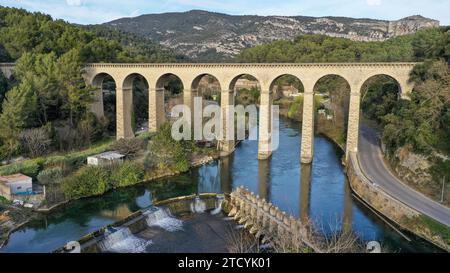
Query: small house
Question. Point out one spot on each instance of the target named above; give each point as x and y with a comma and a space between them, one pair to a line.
104, 159
15, 184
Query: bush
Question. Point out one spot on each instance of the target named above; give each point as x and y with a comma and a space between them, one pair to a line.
50, 176
36, 141
296, 108
87, 181
27, 167
126, 174
128, 147
165, 152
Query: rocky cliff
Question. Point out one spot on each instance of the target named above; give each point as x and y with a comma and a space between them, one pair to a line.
205, 35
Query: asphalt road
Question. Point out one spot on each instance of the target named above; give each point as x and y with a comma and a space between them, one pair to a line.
373, 165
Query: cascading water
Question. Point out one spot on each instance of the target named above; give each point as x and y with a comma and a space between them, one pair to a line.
218, 209
198, 205
162, 218
123, 241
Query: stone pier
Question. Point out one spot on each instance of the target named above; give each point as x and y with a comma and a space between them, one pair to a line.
227, 143
124, 108
307, 144
156, 112
265, 125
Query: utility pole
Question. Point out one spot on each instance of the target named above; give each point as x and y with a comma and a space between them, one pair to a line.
443, 189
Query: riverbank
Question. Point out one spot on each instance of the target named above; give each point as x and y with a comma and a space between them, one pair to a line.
196, 161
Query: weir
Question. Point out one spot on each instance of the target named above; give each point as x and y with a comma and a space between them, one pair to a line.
139, 231
263, 219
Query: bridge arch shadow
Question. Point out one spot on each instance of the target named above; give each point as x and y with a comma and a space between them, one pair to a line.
139, 87
208, 87
172, 87
104, 106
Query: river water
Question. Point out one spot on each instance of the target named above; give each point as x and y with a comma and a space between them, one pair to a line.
318, 191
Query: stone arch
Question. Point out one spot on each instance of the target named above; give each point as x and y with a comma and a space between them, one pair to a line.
197, 80
232, 84
169, 90
295, 83
164, 80
332, 96
235, 88
368, 79
100, 92
131, 78
138, 87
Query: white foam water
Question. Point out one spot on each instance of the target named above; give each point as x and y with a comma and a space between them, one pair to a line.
218, 209
162, 218
123, 241
198, 205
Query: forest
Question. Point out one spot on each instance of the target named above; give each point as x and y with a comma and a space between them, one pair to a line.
47, 101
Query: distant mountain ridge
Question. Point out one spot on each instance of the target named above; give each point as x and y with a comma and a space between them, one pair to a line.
203, 35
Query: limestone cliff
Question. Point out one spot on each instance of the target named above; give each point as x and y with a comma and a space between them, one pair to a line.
205, 35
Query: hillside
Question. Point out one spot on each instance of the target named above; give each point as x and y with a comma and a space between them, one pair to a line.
33, 32
208, 36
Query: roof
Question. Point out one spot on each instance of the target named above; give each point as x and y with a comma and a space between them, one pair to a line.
18, 177
111, 155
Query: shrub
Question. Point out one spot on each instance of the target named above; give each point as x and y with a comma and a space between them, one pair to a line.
296, 108
128, 147
50, 176
36, 141
126, 174
27, 167
165, 152
86, 181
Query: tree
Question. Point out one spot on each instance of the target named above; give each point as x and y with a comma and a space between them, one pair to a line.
76, 96
36, 141
128, 147
18, 109
4, 86
165, 152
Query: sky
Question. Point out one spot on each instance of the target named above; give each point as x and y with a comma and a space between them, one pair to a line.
100, 11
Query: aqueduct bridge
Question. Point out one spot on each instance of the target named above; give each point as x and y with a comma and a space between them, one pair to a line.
356, 74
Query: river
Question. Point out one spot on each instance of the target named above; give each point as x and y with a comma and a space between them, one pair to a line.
319, 191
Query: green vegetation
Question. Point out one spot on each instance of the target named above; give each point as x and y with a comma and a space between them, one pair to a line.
70, 161
96, 180
248, 96
161, 157
436, 229
296, 108
49, 91
321, 48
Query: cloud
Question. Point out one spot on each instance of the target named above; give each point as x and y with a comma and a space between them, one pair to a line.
76, 3
373, 2
135, 13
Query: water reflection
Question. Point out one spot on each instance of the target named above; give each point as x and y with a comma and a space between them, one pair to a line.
348, 209
305, 191
264, 178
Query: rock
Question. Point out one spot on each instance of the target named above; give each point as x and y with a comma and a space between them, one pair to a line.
214, 36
